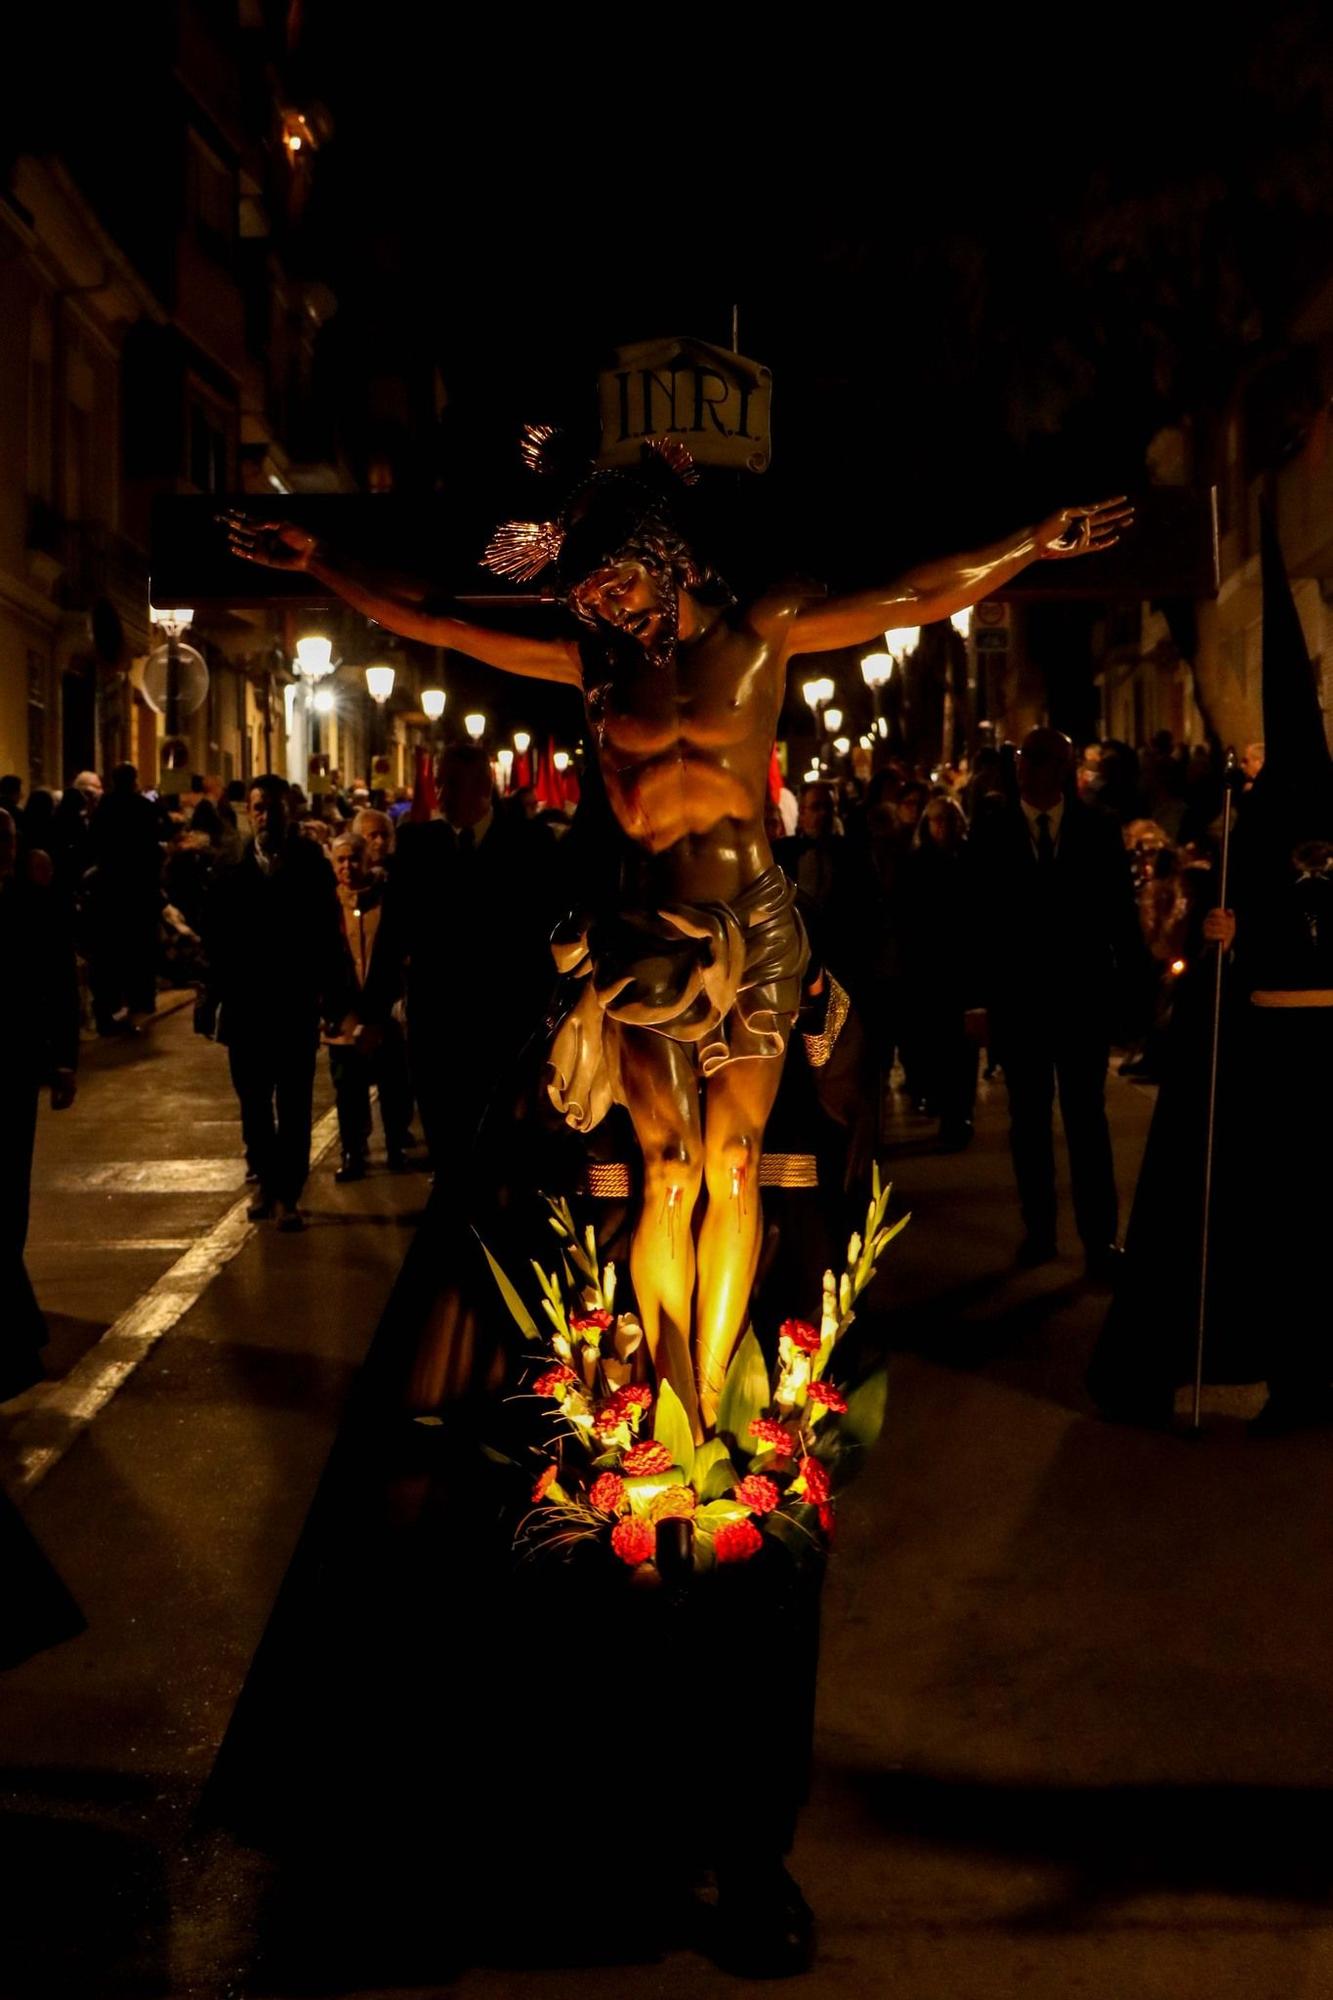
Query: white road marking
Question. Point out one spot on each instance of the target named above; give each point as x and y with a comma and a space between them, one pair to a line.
148, 1177
158, 1244
76, 1399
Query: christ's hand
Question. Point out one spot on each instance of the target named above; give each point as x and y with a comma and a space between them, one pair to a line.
1082, 531
275, 544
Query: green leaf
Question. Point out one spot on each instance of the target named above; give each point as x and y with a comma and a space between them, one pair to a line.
643, 1488
429, 1423
864, 1418
497, 1457
671, 1427
523, 1319
720, 1514
746, 1393
714, 1473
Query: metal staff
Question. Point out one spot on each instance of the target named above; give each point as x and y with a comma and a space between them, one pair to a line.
1212, 1096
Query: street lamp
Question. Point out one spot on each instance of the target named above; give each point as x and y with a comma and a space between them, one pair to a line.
842, 744
817, 693
505, 759
379, 686
314, 657
833, 720
475, 726
962, 622
175, 681
324, 701
522, 741
561, 761
432, 703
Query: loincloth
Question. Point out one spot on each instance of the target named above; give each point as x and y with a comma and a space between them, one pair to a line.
721, 979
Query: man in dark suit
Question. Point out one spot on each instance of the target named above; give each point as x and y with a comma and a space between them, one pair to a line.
39, 1043
468, 915
1059, 940
277, 965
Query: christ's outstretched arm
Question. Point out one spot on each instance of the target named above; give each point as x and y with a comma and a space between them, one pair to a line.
937, 589
282, 545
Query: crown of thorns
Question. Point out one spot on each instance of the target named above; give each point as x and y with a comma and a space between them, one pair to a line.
609, 512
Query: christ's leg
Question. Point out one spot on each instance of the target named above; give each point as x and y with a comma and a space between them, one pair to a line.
662, 1096
737, 1103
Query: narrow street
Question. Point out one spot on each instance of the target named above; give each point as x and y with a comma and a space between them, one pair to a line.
1074, 1700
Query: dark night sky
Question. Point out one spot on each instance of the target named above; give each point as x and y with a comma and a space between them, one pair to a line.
983, 265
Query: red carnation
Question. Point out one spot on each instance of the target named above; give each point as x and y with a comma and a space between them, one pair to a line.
760, 1495
553, 1379
650, 1456
801, 1334
817, 1483
737, 1542
635, 1396
770, 1433
828, 1394
545, 1480
590, 1322
607, 1416
606, 1492
634, 1542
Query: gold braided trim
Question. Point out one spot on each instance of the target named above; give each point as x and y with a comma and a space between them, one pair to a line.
609, 1180
818, 1048
1301, 996
788, 1170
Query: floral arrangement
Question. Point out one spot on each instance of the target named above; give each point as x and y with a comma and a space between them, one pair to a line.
622, 1460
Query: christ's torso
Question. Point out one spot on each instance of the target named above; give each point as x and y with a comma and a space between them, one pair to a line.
684, 752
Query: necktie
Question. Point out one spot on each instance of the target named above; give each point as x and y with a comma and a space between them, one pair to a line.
1045, 845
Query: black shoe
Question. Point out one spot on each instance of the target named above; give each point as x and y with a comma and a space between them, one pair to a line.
1143, 1413
1034, 1250
290, 1220
353, 1168
765, 1927
260, 1209
396, 1160
953, 1138
1291, 1411
1101, 1265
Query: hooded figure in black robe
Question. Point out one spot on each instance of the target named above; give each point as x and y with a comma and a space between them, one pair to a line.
1272, 1193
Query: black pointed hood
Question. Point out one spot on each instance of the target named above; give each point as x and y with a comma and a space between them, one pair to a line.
1294, 791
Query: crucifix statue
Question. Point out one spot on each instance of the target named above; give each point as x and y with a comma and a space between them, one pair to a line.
691, 985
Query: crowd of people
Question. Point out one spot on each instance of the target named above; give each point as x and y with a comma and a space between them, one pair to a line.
1026, 911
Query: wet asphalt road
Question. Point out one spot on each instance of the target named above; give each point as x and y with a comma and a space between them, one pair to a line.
1075, 1725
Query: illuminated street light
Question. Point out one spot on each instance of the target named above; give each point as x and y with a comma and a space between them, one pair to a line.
561, 760
171, 622
432, 703
379, 683
324, 702
475, 726
962, 622
818, 692
901, 641
314, 657
876, 669
522, 740
505, 760
842, 744
833, 720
